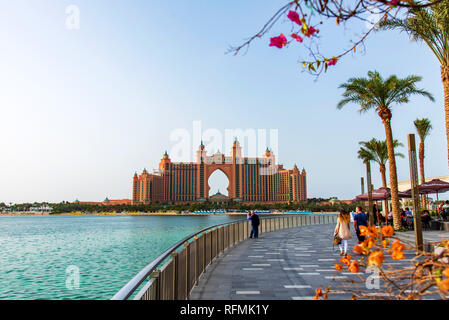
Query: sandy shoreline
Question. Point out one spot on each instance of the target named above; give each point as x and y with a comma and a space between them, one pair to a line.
153, 214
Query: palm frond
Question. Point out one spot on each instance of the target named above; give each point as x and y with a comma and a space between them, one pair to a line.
423, 127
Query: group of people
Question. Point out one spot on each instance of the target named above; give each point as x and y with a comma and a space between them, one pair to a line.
343, 231
253, 217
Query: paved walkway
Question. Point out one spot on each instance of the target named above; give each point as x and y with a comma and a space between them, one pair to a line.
281, 265
428, 237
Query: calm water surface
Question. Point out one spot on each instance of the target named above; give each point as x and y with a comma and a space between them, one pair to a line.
35, 252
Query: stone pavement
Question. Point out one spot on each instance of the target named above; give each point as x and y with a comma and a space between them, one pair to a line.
429, 237
283, 265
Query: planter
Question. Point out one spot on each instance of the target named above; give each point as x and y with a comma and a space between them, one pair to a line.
435, 225
440, 250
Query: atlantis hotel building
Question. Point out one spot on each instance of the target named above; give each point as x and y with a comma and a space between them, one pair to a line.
251, 180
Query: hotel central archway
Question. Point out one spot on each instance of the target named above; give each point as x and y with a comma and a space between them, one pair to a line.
226, 169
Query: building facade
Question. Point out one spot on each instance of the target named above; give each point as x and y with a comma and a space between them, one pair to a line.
251, 180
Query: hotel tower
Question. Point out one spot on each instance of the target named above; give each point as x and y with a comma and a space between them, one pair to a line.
251, 180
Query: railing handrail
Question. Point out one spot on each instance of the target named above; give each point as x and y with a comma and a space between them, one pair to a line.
135, 282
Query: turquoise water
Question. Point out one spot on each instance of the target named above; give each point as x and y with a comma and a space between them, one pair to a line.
108, 251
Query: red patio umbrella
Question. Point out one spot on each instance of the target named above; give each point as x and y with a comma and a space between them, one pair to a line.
432, 186
381, 194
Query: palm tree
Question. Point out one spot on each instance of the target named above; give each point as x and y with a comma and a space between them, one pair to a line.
377, 151
430, 25
423, 128
376, 93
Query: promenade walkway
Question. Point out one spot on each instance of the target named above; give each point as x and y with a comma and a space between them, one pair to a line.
282, 265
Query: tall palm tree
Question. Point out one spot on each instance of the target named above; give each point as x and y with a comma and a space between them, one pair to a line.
430, 25
423, 127
376, 93
377, 151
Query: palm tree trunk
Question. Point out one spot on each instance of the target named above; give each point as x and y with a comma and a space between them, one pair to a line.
445, 79
386, 116
383, 175
421, 170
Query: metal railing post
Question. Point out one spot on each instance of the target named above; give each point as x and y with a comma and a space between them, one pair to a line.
175, 275
157, 280
204, 253
197, 258
187, 289
216, 242
211, 246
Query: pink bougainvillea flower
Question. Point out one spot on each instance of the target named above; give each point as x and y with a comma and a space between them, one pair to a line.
394, 2
332, 62
312, 30
294, 16
297, 37
279, 41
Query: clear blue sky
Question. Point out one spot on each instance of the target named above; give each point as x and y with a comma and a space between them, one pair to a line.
82, 110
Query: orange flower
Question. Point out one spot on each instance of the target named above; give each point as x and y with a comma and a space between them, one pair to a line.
444, 284
318, 294
387, 231
358, 249
339, 267
363, 231
346, 260
370, 243
354, 267
397, 245
385, 243
376, 258
397, 250
372, 231
397, 255
446, 272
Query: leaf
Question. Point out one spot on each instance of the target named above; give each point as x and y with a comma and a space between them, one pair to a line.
312, 67
304, 64
318, 63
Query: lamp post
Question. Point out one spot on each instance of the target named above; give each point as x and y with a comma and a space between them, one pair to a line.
370, 192
415, 192
362, 185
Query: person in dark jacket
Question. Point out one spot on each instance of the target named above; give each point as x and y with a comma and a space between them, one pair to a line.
254, 218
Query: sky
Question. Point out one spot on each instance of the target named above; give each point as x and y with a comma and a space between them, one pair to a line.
82, 109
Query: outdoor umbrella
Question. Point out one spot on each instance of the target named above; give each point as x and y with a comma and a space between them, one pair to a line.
432, 186
381, 194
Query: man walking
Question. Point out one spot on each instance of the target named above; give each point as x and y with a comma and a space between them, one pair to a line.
360, 219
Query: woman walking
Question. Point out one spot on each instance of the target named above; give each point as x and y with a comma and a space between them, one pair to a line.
343, 231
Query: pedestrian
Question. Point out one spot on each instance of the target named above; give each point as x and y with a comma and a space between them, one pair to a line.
408, 217
360, 219
390, 218
445, 210
343, 231
254, 218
